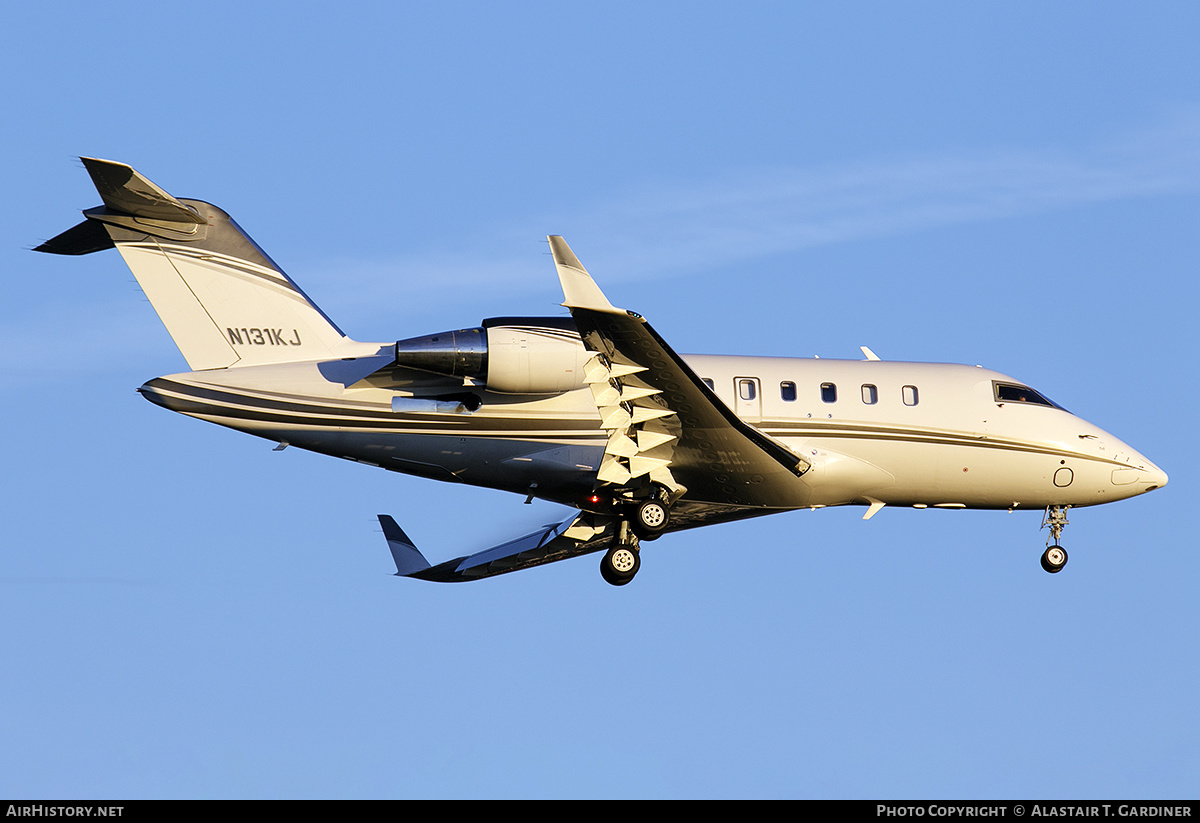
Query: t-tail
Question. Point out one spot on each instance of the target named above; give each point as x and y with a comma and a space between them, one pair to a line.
223, 300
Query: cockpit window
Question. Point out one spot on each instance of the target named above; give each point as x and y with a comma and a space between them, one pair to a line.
1016, 393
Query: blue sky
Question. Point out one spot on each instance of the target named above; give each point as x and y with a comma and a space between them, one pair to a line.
188, 614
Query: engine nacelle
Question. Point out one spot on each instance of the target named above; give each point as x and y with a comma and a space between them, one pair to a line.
513, 355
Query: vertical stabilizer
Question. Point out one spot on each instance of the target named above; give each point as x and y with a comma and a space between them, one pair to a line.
223, 300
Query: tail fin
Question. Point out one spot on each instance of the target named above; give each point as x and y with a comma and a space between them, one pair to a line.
224, 302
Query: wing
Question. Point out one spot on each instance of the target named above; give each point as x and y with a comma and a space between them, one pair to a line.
666, 427
581, 533
666, 430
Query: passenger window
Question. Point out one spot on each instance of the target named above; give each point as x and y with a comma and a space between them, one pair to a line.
746, 389
828, 393
910, 395
787, 390
870, 394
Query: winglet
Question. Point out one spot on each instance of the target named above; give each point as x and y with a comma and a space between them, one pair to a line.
408, 559
579, 289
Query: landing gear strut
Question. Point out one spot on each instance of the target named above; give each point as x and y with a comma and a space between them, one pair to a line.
1055, 556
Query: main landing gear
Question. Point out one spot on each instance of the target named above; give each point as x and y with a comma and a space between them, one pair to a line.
1055, 556
646, 520
650, 519
622, 561
620, 564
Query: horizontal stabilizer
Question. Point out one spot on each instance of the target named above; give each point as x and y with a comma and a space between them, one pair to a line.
85, 238
125, 190
408, 559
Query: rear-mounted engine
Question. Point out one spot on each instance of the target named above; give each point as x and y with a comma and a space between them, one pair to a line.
513, 355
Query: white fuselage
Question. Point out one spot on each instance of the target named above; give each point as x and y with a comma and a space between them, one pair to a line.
874, 432
595, 411
935, 430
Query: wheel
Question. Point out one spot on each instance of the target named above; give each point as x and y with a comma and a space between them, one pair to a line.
651, 519
619, 565
1054, 558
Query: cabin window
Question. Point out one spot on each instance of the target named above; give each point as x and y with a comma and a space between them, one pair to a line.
910, 395
708, 381
1016, 393
746, 390
870, 394
828, 393
787, 390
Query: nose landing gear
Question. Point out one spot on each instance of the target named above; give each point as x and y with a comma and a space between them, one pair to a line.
1055, 556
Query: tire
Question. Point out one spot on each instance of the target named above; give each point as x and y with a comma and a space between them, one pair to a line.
619, 565
651, 519
1053, 559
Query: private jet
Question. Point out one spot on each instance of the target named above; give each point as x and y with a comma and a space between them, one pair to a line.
594, 411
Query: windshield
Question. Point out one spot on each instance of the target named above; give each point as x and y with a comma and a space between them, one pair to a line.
1016, 393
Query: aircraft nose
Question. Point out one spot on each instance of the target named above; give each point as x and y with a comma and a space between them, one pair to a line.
1153, 477
1146, 477
1137, 476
